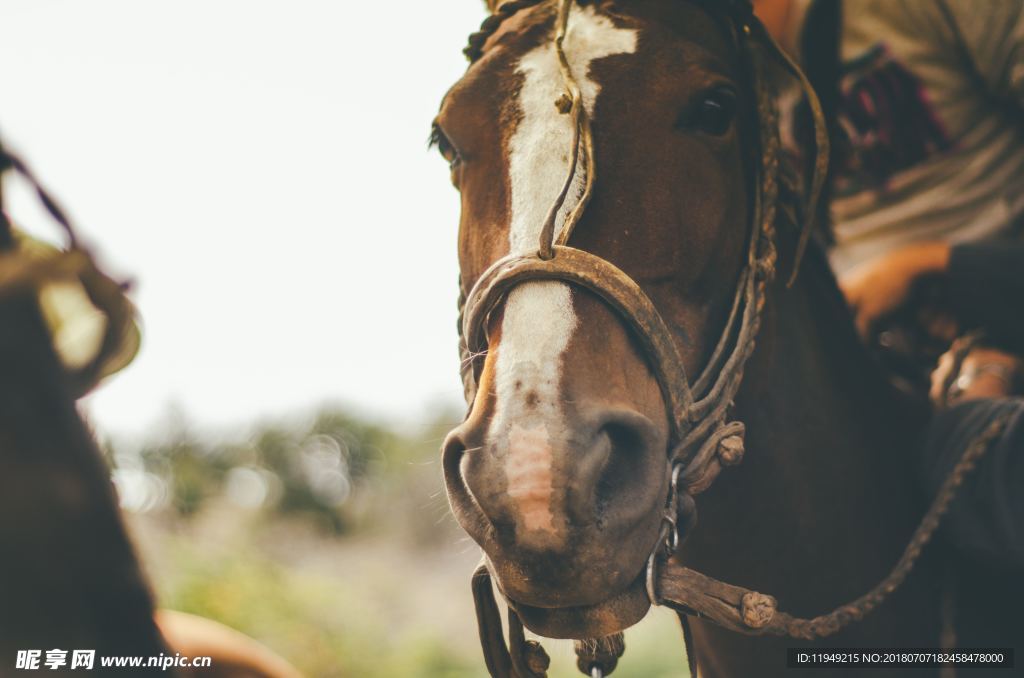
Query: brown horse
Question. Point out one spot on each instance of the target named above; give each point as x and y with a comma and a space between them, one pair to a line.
69, 578
560, 471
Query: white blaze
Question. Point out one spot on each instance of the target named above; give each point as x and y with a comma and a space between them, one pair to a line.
539, 319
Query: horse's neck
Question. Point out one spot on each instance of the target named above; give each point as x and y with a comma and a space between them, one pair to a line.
820, 506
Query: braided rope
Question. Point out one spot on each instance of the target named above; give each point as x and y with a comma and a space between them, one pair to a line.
832, 622
755, 613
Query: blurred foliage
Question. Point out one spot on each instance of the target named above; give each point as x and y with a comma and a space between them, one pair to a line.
329, 539
319, 623
330, 469
384, 621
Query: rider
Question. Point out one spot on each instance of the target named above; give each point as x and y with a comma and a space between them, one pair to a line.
925, 102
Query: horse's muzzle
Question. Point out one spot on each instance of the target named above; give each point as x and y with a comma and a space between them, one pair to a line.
567, 517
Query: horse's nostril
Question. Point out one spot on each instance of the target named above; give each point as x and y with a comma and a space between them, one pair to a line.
629, 450
626, 446
452, 451
462, 462
452, 447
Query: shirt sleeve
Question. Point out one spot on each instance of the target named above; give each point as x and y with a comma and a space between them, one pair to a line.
990, 33
986, 287
986, 520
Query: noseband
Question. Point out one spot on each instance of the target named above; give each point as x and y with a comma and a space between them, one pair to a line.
703, 439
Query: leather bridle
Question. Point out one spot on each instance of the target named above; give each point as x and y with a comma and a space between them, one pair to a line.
704, 439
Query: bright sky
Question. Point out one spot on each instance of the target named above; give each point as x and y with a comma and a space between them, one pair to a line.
260, 168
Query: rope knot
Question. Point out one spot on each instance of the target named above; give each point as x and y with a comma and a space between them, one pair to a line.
758, 609
731, 449
765, 267
537, 659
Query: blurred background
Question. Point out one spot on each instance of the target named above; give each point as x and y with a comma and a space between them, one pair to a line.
259, 170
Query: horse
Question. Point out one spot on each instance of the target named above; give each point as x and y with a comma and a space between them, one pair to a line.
69, 576
624, 211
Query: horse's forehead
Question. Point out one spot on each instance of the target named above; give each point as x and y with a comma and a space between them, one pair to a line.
539, 319
540, 148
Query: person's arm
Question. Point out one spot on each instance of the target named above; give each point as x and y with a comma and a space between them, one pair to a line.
986, 284
882, 285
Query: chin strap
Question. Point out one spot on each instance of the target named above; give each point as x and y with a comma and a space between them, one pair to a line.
522, 658
525, 658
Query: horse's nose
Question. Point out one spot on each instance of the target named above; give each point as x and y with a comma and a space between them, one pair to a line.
534, 484
617, 469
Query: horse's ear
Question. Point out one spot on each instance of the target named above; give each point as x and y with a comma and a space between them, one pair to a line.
493, 5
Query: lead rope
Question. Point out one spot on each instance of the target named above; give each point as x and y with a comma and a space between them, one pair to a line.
750, 612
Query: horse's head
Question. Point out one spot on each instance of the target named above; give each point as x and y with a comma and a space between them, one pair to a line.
562, 468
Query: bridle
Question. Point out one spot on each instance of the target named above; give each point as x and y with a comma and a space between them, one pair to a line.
703, 438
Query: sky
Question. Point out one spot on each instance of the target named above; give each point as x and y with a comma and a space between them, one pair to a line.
259, 169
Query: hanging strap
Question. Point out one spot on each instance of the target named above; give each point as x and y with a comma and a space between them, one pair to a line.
691, 649
521, 658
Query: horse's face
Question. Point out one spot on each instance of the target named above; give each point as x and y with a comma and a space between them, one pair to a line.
560, 472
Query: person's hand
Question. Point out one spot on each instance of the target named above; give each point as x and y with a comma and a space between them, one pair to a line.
985, 373
880, 286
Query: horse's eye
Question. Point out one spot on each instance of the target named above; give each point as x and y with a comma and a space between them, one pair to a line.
439, 140
713, 113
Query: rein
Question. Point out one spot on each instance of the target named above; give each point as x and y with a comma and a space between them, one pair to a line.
704, 440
